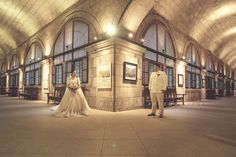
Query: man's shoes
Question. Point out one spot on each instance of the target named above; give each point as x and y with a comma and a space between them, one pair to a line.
161, 116
152, 114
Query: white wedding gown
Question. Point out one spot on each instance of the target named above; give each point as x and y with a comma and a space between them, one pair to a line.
72, 103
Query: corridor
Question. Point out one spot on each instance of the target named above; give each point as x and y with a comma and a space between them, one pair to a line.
199, 129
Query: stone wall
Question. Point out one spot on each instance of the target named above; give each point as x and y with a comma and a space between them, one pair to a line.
128, 94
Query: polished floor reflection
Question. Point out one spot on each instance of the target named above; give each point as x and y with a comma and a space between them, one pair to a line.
199, 129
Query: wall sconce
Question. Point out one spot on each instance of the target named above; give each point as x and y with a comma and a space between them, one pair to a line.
130, 35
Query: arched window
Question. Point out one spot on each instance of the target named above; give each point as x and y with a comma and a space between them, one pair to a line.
14, 71
70, 53
33, 65
160, 49
193, 70
210, 76
3, 79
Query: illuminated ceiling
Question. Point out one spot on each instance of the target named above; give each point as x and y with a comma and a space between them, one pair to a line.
211, 22
20, 19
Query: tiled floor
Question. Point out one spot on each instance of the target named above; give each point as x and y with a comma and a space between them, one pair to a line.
199, 129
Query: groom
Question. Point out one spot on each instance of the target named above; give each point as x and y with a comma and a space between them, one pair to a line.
157, 87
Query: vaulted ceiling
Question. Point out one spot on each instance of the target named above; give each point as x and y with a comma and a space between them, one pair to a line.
210, 22
20, 19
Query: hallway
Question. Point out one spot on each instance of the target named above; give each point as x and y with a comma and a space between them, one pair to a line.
199, 129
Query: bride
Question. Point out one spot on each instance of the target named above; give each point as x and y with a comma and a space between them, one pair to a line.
73, 102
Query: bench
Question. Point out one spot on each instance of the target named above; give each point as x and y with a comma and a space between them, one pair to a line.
29, 93
170, 95
2, 91
58, 93
8, 93
13, 92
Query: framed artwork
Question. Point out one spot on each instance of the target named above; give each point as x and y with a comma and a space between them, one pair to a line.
180, 80
104, 76
130, 72
203, 83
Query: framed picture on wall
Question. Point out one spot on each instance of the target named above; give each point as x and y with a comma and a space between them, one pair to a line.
130, 72
104, 76
180, 80
203, 83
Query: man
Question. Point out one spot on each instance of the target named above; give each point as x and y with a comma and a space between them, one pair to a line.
157, 87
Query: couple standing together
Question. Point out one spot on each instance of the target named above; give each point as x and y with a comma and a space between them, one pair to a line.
74, 103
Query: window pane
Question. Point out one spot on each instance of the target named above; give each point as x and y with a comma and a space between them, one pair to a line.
37, 77
79, 53
197, 81
38, 52
68, 36
161, 38
169, 72
169, 62
58, 74
78, 68
150, 55
150, 38
197, 59
58, 60
161, 59
37, 65
189, 55
59, 44
169, 46
84, 76
80, 34
68, 56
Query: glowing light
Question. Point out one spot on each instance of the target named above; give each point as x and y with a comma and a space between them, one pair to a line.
223, 11
183, 57
130, 35
110, 30
142, 40
95, 38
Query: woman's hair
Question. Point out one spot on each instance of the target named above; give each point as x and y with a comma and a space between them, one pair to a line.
72, 72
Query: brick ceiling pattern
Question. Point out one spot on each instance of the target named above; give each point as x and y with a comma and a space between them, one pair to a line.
210, 22
20, 19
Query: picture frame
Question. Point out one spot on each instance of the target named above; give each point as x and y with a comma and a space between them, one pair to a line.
130, 72
180, 80
104, 76
203, 83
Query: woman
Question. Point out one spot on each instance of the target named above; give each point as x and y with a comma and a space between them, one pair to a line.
73, 102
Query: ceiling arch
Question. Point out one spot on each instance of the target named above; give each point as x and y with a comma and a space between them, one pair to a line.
22, 18
209, 22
